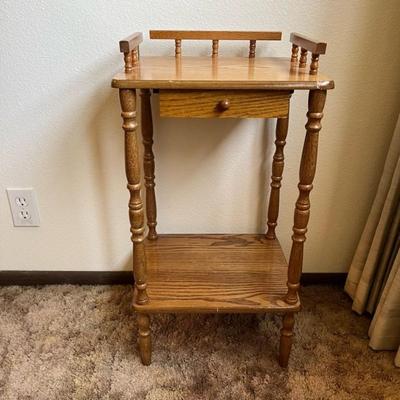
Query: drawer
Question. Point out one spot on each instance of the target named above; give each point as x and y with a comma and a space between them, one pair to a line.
224, 103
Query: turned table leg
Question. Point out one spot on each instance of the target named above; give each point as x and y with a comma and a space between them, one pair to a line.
144, 338
136, 214
148, 163
276, 178
286, 339
316, 102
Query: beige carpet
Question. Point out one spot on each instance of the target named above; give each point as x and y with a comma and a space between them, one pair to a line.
78, 342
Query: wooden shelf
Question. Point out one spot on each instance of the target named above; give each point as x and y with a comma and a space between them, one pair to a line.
215, 273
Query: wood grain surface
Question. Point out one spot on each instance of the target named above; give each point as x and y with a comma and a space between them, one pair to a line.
218, 73
224, 103
215, 273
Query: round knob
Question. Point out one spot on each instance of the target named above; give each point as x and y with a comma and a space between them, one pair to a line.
224, 104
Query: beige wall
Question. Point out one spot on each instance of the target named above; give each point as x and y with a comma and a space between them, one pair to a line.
60, 128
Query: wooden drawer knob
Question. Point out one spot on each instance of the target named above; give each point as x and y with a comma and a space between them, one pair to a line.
224, 104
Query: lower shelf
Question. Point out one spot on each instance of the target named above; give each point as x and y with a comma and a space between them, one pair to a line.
215, 274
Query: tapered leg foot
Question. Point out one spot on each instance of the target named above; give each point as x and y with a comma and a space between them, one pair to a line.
144, 338
286, 339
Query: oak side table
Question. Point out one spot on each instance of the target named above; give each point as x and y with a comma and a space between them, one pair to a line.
224, 273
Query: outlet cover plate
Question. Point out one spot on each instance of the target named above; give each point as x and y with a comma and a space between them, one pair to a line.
23, 206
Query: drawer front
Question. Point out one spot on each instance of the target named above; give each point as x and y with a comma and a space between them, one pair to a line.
224, 103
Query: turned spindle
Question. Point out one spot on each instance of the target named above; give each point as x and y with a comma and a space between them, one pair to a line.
316, 102
128, 60
135, 55
303, 58
314, 64
148, 163
276, 178
295, 53
286, 339
215, 44
178, 47
252, 49
136, 212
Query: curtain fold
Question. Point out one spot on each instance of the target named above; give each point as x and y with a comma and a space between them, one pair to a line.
373, 281
384, 330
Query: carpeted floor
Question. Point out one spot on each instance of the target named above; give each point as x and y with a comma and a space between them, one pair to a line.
78, 342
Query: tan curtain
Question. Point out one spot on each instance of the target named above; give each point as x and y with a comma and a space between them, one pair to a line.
373, 281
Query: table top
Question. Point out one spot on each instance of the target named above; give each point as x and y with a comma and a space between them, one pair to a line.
219, 73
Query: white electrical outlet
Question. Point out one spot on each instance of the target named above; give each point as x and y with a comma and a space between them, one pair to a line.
23, 206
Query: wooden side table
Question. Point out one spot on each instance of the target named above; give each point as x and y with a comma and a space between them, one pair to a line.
224, 273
